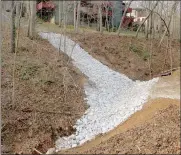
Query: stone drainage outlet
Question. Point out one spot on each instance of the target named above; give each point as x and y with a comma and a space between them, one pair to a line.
112, 96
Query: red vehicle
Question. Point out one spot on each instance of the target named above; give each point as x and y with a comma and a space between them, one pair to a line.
107, 13
127, 20
45, 10
45, 5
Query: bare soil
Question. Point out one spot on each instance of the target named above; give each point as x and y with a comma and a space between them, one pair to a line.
129, 55
153, 130
48, 96
160, 136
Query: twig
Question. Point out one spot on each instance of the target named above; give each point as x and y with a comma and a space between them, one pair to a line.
146, 18
64, 85
37, 151
150, 59
71, 54
122, 19
160, 18
14, 67
167, 72
19, 20
171, 16
138, 148
173, 69
40, 111
36, 43
74, 82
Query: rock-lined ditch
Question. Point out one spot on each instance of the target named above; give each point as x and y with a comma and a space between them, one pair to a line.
112, 96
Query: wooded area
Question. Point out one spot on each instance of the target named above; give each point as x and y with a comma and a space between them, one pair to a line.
75, 70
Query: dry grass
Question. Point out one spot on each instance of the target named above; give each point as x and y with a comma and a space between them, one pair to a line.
129, 55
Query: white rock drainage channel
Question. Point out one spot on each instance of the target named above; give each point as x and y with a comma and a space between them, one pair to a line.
112, 96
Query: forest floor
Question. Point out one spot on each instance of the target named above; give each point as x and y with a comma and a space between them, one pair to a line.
49, 95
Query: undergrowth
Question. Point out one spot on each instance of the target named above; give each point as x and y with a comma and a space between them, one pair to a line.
28, 72
139, 51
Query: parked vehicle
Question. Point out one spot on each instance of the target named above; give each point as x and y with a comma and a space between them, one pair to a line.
45, 10
107, 14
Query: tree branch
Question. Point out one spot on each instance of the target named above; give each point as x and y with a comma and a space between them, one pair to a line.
122, 19
161, 19
146, 18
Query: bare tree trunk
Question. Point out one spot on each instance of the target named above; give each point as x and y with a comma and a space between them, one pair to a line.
26, 6
14, 65
107, 22
167, 28
75, 6
100, 18
160, 29
170, 53
18, 25
1, 7
78, 17
160, 24
150, 20
64, 14
150, 58
151, 23
171, 15
59, 11
146, 18
151, 40
13, 28
28, 16
147, 28
32, 19
124, 14
112, 21
17, 11
88, 21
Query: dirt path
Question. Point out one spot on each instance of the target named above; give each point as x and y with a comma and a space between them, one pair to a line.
48, 96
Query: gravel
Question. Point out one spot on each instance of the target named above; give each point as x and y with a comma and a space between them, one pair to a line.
112, 96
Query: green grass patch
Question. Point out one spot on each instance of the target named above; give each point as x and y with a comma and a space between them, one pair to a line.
28, 72
139, 51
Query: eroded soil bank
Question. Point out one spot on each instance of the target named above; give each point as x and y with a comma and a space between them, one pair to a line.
129, 55
153, 130
48, 96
